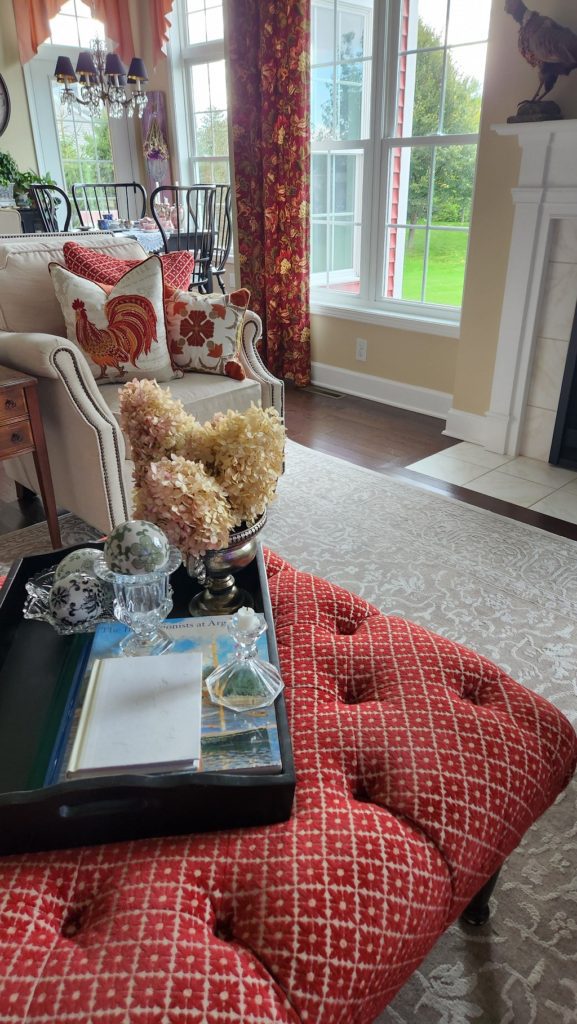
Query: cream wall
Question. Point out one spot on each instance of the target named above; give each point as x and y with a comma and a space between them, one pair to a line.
508, 80
17, 139
464, 367
406, 356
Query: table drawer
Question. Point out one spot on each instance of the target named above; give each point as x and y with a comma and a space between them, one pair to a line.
14, 438
12, 404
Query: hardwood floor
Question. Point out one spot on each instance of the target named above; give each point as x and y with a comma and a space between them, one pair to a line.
378, 437
387, 440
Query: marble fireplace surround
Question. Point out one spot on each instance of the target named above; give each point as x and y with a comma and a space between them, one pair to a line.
540, 297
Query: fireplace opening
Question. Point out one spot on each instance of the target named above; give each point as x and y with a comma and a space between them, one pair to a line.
564, 444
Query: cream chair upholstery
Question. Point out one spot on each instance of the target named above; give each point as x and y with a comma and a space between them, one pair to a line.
10, 221
91, 472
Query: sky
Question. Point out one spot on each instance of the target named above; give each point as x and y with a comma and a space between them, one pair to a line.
468, 22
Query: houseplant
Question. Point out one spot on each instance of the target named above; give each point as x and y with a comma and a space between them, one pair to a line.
16, 182
8, 175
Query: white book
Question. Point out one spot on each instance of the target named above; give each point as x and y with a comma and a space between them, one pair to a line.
139, 715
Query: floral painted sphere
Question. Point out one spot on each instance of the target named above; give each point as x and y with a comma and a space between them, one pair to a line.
76, 599
78, 561
136, 547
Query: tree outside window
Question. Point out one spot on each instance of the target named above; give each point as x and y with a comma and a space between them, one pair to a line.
420, 172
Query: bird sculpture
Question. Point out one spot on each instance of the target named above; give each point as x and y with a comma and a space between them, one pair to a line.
546, 45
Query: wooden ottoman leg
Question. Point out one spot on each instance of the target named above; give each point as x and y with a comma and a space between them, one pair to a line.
477, 911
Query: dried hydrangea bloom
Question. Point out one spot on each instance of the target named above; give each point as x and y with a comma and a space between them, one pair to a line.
156, 424
197, 482
247, 451
187, 503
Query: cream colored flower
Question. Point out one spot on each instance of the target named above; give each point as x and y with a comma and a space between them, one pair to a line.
198, 481
247, 459
187, 503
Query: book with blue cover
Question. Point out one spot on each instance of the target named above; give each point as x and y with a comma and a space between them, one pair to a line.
239, 742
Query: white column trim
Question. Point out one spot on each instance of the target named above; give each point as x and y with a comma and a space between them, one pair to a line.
547, 191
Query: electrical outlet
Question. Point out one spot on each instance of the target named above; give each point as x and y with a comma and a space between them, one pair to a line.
361, 350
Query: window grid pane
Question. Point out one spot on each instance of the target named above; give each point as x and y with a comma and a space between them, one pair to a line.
211, 172
430, 188
336, 226
85, 147
341, 72
204, 19
210, 115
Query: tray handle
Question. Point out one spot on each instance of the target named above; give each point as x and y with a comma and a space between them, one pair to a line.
107, 807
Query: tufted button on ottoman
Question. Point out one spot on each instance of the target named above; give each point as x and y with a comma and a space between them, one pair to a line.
420, 765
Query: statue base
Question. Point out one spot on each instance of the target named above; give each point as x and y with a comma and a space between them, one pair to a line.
536, 110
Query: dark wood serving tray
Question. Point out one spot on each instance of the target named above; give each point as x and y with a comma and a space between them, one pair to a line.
35, 670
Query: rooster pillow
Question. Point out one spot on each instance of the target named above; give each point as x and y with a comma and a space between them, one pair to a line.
121, 330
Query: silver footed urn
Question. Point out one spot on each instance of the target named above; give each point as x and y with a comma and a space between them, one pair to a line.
215, 572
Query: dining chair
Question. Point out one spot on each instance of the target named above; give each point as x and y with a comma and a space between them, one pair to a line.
125, 200
48, 200
223, 232
185, 215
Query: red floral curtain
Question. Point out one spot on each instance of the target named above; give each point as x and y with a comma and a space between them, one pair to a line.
268, 51
33, 16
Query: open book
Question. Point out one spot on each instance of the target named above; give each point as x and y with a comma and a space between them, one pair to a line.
139, 715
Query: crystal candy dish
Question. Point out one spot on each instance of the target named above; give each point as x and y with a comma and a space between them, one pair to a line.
141, 601
37, 605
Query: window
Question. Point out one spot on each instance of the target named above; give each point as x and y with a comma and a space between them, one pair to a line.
75, 146
395, 107
83, 139
197, 54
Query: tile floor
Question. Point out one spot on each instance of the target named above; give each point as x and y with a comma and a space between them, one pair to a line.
520, 480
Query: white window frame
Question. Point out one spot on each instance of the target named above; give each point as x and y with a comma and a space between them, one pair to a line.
182, 57
369, 306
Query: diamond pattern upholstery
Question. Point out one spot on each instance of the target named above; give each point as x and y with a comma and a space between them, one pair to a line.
419, 767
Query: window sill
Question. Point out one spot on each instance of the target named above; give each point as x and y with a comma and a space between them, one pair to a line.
386, 318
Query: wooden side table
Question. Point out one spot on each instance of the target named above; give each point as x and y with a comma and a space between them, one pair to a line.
21, 431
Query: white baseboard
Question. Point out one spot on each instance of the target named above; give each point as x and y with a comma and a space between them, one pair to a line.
467, 426
379, 389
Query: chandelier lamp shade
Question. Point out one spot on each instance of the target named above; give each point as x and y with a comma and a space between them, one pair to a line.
102, 81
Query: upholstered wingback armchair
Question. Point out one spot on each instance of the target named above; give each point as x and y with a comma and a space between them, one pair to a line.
91, 471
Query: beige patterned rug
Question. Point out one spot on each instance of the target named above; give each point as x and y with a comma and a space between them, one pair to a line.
507, 590
34, 540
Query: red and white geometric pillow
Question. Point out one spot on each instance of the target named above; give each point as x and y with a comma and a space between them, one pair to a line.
102, 268
204, 331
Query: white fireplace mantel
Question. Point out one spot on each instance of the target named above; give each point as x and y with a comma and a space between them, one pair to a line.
546, 193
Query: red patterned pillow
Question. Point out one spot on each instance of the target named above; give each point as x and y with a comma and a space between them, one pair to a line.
102, 268
120, 329
204, 331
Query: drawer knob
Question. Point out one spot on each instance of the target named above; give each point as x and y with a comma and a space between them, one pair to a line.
16, 438
9, 403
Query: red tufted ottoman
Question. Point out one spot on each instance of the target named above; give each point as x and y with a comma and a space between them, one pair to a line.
419, 767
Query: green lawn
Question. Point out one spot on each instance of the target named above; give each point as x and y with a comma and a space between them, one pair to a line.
445, 269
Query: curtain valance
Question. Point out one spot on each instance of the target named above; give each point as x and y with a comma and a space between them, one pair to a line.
33, 28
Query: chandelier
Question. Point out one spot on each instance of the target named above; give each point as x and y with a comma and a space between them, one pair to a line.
103, 82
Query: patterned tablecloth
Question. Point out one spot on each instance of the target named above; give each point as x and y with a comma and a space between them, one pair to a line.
149, 240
